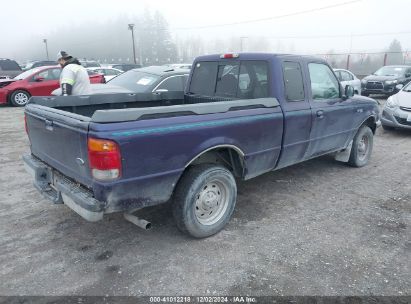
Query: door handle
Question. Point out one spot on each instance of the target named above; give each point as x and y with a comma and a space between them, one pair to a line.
320, 114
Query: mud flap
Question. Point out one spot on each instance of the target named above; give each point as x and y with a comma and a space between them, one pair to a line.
344, 155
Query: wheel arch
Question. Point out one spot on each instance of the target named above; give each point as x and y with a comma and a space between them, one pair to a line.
371, 122
230, 156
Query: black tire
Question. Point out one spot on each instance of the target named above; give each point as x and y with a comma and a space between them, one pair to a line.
388, 128
190, 199
19, 98
365, 94
360, 156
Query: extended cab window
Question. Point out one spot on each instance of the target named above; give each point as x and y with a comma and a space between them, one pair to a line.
324, 85
235, 79
293, 81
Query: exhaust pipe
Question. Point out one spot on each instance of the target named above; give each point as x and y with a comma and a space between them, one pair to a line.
137, 221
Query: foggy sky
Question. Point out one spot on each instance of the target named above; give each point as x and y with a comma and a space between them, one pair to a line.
26, 18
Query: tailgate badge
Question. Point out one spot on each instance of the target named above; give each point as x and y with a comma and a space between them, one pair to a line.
80, 161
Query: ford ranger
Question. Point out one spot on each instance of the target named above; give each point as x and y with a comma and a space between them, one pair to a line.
241, 115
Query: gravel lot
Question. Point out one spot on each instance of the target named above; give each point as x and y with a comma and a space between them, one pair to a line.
317, 228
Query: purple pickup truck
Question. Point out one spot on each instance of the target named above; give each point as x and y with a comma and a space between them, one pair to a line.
241, 115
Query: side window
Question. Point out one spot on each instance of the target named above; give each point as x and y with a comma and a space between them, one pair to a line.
173, 83
54, 74
44, 74
293, 81
346, 76
324, 85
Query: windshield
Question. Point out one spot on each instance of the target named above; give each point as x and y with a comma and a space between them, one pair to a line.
390, 71
407, 87
26, 74
135, 81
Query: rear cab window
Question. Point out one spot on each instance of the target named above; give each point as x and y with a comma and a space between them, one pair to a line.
231, 79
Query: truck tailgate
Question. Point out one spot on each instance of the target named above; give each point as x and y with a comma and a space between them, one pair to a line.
59, 139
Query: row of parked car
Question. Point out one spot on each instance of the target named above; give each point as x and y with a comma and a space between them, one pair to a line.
41, 80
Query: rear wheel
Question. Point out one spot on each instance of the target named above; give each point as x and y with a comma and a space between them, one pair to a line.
19, 98
204, 200
362, 147
365, 94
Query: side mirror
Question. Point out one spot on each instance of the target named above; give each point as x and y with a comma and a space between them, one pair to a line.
399, 86
348, 92
38, 78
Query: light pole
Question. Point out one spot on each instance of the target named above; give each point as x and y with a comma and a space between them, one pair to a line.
47, 50
131, 28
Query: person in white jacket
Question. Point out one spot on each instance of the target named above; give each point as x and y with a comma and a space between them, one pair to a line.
74, 79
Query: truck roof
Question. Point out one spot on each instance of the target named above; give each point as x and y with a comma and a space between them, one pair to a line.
257, 56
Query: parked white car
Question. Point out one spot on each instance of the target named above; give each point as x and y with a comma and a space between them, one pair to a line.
109, 73
348, 78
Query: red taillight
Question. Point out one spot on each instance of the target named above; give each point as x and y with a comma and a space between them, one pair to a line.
228, 56
104, 159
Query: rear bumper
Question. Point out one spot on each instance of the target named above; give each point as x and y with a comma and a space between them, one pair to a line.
61, 190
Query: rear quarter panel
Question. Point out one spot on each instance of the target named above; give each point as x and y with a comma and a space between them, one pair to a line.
155, 152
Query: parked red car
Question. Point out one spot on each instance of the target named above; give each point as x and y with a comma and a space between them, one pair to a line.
35, 82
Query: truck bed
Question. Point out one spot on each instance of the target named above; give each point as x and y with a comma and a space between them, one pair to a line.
127, 107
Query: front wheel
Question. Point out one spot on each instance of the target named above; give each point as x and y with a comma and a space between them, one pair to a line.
362, 147
19, 98
204, 200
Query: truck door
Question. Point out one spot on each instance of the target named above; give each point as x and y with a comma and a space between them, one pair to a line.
332, 116
297, 115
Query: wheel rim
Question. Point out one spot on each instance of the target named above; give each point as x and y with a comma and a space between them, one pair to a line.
211, 202
21, 98
363, 147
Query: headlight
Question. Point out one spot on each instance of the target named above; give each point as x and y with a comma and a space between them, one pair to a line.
363, 81
392, 102
391, 81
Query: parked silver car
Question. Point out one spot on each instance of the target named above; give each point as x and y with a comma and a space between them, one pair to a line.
397, 109
348, 78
